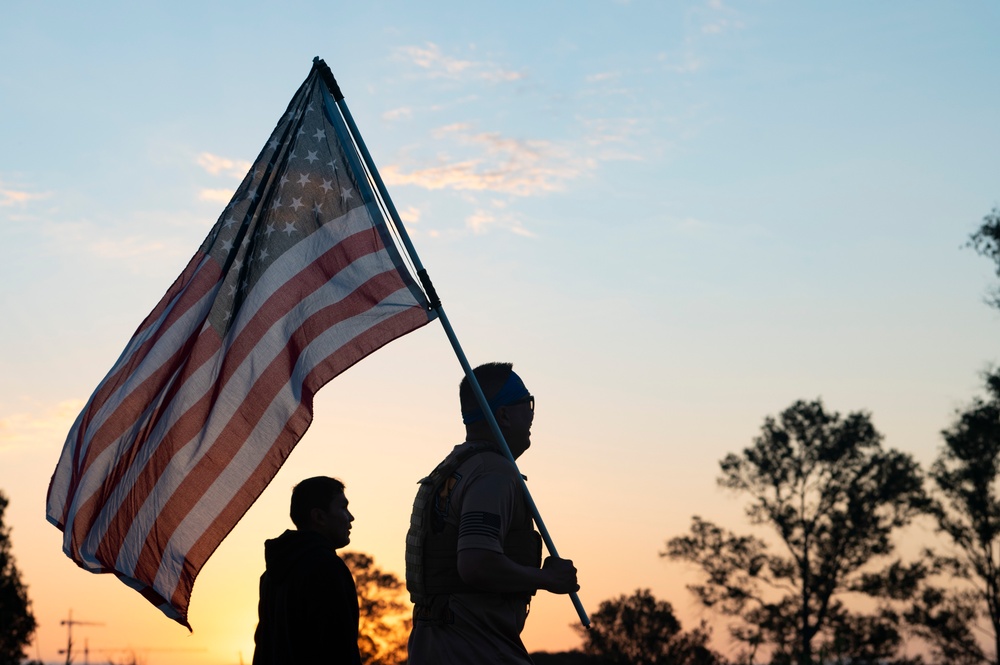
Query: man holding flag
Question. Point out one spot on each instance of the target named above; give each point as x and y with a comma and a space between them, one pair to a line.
472, 554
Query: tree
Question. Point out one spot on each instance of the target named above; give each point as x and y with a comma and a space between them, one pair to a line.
986, 241
965, 476
640, 630
384, 624
944, 618
833, 496
575, 657
17, 623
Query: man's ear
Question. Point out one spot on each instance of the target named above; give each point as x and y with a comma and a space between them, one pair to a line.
502, 418
317, 516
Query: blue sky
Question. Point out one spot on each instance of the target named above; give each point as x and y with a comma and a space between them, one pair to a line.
674, 217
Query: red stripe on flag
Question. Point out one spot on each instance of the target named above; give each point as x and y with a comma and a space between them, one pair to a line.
195, 353
151, 595
278, 305
195, 286
244, 497
313, 277
240, 427
111, 430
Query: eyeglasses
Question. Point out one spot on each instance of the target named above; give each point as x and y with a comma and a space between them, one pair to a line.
529, 400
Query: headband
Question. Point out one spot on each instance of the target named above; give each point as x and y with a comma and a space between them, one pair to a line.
512, 391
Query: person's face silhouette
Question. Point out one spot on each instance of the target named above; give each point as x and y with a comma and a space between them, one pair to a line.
334, 522
515, 422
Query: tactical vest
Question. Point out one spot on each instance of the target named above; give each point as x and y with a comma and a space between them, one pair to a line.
432, 548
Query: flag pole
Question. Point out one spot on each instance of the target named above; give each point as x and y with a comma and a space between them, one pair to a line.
435, 303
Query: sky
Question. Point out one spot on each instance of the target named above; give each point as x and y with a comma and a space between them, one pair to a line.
675, 218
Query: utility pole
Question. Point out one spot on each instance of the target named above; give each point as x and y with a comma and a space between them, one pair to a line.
130, 655
69, 623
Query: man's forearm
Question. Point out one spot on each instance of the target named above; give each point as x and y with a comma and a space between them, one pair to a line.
495, 572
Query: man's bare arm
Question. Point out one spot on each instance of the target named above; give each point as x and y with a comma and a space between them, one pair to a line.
494, 572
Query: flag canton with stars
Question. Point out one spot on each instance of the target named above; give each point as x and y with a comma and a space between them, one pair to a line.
298, 183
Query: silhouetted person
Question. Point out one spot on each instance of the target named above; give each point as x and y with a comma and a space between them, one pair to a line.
472, 554
308, 610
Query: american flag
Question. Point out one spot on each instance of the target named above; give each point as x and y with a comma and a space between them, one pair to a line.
298, 280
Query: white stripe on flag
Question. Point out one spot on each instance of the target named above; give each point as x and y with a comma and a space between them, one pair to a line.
252, 453
240, 384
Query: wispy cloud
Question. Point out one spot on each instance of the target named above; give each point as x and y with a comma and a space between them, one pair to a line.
126, 247
501, 164
602, 77
720, 19
215, 195
719, 26
481, 221
410, 215
45, 426
19, 197
489, 218
220, 166
604, 131
688, 63
398, 114
216, 165
705, 21
173, 236
440, 65
454, 128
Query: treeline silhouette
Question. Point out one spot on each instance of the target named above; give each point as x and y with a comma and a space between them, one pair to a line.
827, 586
17, 622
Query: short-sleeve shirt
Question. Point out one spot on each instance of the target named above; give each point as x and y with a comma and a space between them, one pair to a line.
485, 501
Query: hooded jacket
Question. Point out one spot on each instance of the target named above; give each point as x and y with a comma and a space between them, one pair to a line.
308, 610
